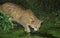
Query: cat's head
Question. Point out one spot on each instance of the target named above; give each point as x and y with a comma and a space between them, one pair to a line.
36, 24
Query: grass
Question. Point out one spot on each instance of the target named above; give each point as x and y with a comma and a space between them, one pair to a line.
50, 28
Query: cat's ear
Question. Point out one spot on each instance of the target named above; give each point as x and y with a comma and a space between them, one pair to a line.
41, 21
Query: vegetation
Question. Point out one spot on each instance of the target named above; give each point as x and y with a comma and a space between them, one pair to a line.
5, 23
47, 10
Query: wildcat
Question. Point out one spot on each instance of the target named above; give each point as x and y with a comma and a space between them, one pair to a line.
25, 17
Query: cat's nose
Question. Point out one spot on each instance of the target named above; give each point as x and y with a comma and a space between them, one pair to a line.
35, 29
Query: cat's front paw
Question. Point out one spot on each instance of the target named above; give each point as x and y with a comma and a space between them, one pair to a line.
28, 31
